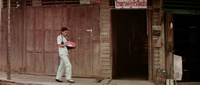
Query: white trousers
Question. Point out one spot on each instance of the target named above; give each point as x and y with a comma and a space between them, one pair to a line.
64, 63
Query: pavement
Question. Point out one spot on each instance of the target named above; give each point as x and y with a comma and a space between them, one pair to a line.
27, 79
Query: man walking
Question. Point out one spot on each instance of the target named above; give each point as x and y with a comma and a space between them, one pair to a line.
64, 60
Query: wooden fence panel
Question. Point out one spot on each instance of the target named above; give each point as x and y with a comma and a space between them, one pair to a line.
42, 26
86, 34
57, 24
3, 49
82, 57
16, 39
30, 58
39, 63
96, 64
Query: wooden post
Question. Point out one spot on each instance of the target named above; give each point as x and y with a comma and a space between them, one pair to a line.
169, 45
150, 47
1, 6
24, 35
8, 43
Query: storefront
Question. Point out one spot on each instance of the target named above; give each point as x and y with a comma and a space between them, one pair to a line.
115, 39
184, 16
131, 40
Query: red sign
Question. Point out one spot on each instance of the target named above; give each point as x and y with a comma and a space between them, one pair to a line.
95, 1
130, 3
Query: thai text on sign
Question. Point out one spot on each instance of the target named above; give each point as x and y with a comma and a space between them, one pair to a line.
130, 3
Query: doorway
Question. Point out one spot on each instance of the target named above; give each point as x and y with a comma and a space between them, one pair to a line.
186, 44
130, 44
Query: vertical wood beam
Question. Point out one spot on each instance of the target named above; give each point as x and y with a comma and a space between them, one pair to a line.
169, 44
8, 43
150, 47
1, 6
24, 36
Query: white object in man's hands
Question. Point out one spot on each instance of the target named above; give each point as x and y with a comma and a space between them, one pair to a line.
70, 44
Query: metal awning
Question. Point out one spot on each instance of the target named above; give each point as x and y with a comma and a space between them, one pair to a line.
182, 6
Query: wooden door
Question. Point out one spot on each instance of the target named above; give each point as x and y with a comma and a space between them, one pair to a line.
3, 39
16, 39
43, 25
169, 44
89, 41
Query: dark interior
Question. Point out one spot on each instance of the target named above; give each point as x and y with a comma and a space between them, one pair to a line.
130, 44
187, 43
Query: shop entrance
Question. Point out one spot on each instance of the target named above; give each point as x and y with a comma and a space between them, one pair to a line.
187, 43
130, 44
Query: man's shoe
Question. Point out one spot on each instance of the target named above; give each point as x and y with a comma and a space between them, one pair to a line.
70, 81
58, 80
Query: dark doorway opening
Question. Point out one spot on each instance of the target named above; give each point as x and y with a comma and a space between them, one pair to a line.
130, 44
187, 43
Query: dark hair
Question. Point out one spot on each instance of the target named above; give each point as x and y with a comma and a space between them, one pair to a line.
64, 29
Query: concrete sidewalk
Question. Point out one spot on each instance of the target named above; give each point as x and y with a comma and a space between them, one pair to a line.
24, 79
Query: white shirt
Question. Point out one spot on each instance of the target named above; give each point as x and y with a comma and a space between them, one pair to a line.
62, 50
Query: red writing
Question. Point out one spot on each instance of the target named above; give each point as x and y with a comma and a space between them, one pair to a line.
131, 3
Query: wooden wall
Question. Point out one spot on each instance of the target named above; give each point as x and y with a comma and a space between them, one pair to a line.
42, 26
16, 39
